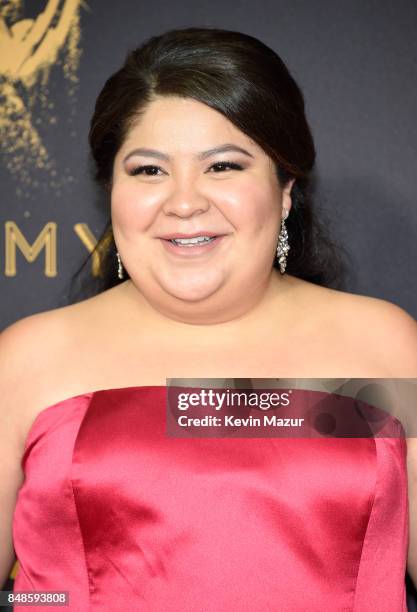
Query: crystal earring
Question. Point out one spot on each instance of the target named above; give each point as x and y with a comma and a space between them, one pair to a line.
283, 246
119, 266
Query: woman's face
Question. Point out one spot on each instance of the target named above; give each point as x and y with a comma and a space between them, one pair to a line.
185, 169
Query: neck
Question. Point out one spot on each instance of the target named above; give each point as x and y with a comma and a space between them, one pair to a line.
269, 299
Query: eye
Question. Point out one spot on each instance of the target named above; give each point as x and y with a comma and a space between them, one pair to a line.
150, 170
222, 165
144, 170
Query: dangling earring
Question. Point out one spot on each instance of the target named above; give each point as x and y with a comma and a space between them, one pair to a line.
119, 266
283, 246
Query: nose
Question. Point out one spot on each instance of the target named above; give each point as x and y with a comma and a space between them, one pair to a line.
185, 202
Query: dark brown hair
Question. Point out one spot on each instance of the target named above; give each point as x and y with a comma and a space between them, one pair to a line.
246, 81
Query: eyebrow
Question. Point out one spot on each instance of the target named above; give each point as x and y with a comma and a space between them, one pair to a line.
200, 156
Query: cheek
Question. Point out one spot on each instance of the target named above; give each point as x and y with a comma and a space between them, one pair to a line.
254, 207
130, 209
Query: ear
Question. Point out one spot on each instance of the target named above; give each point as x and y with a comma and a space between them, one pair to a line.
286, 198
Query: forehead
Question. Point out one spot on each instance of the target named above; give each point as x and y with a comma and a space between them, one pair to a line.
176, 121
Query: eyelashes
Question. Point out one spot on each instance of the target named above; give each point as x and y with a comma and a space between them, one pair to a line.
222, 165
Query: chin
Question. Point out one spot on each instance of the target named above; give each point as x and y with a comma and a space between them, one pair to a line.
195, 293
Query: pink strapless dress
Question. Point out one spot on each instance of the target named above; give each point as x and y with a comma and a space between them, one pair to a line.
128, 519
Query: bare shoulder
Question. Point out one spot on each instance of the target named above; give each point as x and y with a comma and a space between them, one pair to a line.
36, 341
26, 344
54, 355
36, 356
33, 341
390, 330
380, 330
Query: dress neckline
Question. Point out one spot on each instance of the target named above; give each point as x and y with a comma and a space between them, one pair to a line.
90, 394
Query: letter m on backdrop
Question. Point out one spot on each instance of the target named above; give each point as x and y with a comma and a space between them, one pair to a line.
46, 239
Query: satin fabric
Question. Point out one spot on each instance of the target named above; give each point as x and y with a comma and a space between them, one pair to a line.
125, 518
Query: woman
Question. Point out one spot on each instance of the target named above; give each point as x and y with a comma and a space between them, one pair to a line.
202, 133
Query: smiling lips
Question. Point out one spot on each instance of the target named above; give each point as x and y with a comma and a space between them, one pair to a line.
193, 248
193, 235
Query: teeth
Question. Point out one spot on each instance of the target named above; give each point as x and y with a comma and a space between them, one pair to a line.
196, 240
